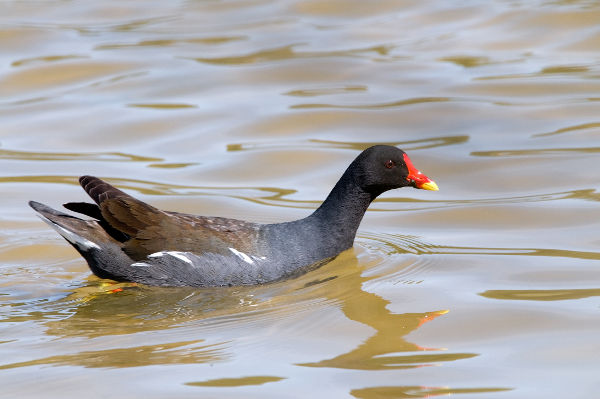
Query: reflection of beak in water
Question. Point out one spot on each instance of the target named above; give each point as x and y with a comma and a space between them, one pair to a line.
389, 338
370, 309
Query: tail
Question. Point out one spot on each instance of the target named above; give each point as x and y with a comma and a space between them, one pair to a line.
71, 228
100, 250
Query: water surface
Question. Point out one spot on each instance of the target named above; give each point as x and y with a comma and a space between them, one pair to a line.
252, 109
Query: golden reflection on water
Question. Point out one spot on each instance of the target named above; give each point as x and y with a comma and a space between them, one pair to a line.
236, 382
148, 355
379, 351
540, 151
376, 352
163, 106
92, 314
420, 144
570, 129
394, 104
65, 156
288, 52
170, 42
417, 392
541, 295
41, 60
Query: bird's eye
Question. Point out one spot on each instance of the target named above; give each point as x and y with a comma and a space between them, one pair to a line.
390, 164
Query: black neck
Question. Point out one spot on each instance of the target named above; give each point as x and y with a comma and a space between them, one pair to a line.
343, 210
325, 233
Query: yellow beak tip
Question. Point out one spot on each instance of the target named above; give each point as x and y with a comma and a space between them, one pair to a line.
430, 186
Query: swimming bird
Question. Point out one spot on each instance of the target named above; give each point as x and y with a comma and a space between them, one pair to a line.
126, 239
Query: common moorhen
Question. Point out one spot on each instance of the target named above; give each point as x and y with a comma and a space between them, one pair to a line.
129, 240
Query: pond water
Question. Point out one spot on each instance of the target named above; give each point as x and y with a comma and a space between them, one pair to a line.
252, 109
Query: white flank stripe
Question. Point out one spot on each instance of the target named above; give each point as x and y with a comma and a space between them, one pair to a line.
242, 256
180, 255
175, 254
79, 241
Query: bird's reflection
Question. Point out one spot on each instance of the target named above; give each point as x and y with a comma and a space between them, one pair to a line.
383, 349
103, 308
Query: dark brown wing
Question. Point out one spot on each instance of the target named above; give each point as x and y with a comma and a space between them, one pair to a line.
122, 211
151, 230
99, 190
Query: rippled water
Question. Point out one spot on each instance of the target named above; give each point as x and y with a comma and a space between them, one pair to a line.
252, 109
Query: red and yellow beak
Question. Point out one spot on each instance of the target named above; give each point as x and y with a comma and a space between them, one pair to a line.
418, 178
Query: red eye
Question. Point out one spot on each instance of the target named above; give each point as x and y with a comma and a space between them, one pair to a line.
390, 164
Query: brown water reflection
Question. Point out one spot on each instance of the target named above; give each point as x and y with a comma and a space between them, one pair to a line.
91, 309
541, 151
420, 144
149, 355
171, 42
376, 352
417, 392
236, 382
49, 156
541, 295
379, 351
91, 313
50, 58
289, 52
393, 104
569, 129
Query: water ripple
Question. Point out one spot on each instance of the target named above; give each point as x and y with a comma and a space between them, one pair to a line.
574, 128
171, 42
46, 59
163, 106
324, 91
419, 144
187, 352
236, 382
542, 295
289, 52
277, 196
394, 258
410, 391
540, 151
74, 156
544, 72
392, 104
402, 244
